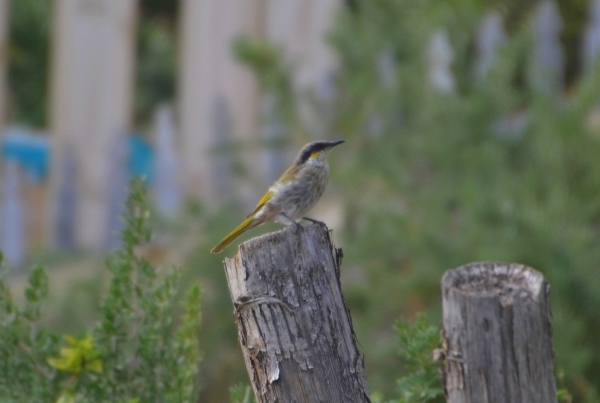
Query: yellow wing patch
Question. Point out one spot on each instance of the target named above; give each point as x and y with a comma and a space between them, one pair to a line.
261, 203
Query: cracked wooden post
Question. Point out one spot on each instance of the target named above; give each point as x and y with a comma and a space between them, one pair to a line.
497, 335
294, 328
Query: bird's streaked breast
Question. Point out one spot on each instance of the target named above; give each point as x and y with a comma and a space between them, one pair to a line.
297, 197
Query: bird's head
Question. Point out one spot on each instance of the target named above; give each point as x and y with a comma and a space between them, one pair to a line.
316, 151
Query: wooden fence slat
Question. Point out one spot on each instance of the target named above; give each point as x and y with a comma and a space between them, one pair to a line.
91, 104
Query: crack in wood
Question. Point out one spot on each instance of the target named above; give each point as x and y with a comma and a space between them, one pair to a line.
497, 335
288, 295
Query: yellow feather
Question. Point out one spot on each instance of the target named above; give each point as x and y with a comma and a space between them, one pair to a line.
261, 203
247, 224
287, 176
240, 229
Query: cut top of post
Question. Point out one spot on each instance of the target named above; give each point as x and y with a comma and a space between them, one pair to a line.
497, 335
494, 279
294, 327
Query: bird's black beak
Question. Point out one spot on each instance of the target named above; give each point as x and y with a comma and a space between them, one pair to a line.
335, 143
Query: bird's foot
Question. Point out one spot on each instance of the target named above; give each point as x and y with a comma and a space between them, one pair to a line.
297, 226
293, 222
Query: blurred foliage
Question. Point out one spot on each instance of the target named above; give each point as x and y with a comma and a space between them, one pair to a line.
29, 61
30, 35
161, 9
78, 357
155, 67
496, 170
275, 80
223, 363
273, 74
419, 381
430, 181
515, 12
444, 179
242, 394
575, 14
144, 346
145, 354
24, 345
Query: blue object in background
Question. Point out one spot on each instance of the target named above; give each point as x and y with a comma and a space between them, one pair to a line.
141, 159
31, 151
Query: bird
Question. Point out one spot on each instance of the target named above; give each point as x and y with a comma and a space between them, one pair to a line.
297, 190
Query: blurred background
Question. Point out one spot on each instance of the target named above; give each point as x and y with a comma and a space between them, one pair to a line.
472, 133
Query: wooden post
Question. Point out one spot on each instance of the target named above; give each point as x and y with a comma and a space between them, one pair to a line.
497, 335
294, 328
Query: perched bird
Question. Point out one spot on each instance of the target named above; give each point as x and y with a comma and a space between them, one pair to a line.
293, 195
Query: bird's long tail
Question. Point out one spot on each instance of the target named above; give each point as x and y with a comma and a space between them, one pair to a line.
243, 227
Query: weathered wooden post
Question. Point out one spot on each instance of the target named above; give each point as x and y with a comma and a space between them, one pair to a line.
497, 335
294, 328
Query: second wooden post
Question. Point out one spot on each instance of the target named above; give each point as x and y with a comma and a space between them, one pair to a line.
497, 335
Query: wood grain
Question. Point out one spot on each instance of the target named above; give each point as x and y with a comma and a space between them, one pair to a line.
497, 335
294, 328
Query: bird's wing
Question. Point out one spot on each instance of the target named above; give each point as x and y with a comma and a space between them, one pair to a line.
288, 176
261, 203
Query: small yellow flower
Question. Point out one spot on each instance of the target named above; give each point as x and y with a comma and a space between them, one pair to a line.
80, 356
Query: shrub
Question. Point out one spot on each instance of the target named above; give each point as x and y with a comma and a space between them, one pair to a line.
144, 347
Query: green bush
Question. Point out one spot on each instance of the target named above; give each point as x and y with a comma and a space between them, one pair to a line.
432, 180
144, 347
242, 394
25, 375
419, 380
440, 185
